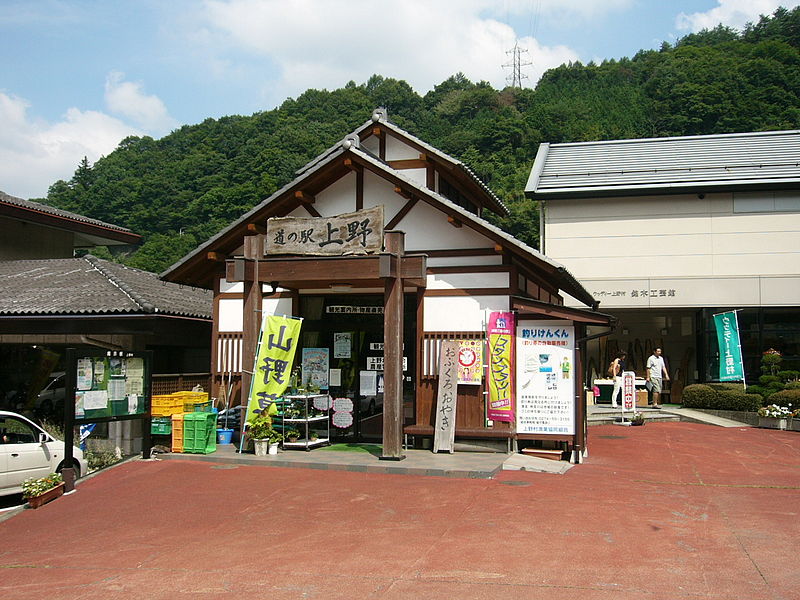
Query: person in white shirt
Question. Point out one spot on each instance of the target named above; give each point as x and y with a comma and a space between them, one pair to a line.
616, 368
655, 368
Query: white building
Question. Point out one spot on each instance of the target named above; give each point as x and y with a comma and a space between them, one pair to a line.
665, 232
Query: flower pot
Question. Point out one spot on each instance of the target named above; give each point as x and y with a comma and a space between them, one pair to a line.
794, 424
273, 448
261, 447
772, 423
46, 497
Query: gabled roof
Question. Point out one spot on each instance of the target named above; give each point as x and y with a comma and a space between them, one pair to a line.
92, 286
380, 118
230, 238
100, 232
769, 159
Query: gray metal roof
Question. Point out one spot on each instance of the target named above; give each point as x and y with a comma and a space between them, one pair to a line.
666, 164
92, 286
51, 210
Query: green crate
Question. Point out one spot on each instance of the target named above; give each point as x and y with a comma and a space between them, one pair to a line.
161, 426
200, 432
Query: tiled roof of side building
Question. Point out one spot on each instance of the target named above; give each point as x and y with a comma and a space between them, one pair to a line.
672, 164
90, 285
51, 210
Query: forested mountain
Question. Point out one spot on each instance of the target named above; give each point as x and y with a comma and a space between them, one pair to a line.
183, 188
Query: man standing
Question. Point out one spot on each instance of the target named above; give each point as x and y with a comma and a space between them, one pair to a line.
655, 367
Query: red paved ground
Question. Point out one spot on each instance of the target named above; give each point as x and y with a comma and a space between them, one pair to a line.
670, 511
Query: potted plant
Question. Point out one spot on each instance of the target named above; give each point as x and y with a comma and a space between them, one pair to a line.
43, 490
313, 436
261, 432
794, 423
638, 419
773, 416
292, 435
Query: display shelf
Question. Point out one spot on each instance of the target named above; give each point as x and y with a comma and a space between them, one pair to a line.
305, 423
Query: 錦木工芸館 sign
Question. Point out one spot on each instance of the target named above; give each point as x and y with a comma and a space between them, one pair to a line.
359, 232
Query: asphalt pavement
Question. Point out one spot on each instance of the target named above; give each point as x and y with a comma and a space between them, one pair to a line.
666, 511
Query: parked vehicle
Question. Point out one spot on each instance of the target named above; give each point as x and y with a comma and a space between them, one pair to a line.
27, 450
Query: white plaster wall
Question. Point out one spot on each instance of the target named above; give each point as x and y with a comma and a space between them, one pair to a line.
378, 191
460, 313
337, 198
427, 229
397, 150
225, 287
230, 314
420, 176
700, 247
452, 281
458, 261
373, 144
277, 306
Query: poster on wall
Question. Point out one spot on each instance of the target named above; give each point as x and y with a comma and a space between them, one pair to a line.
109, 386
470, 362
545, 377
342, 344
500, 372
316, 367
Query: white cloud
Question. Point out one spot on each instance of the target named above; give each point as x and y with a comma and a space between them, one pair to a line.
731, 13
35, 153
129, 100
324, 44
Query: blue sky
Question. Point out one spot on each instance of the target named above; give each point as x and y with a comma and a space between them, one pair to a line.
76, 76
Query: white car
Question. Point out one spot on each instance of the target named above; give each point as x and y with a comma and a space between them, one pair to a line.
27, 450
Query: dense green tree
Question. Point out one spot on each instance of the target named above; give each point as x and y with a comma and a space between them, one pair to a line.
181, 189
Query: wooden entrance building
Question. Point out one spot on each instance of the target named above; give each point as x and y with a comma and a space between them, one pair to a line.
441, 269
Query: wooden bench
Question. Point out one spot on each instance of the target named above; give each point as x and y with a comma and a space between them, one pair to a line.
462, 433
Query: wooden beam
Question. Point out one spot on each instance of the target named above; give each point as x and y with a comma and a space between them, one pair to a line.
311, 210
401, 214
348, 162
377, 131
400, 191
255, 229
393, 355
360, 189
498, 248
454, 222
216, 256
408, 163
304, 198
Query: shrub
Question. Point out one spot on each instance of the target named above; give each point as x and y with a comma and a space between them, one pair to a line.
787, 397
767, 379
788, 375
727, 398
776, 385
698, 395
737, 400
793, 385
720, 387
755, 389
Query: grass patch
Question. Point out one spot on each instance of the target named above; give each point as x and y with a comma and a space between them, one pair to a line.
374, 449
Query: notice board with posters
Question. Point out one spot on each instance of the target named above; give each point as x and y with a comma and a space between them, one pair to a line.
545, 377
103, 386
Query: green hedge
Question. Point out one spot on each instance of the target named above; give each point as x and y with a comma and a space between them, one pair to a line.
786, 397
699, 395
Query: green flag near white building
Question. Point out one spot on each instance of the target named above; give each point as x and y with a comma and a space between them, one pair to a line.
730, 349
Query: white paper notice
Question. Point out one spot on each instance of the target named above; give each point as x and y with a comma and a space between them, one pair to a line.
97, 400
369, 383
133, 403
116, 388
335, 377
85, 374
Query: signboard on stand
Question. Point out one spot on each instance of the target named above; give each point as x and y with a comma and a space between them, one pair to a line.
628, 391
445, 430
545, 377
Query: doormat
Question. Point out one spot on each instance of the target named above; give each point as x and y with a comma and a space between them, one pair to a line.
375, 449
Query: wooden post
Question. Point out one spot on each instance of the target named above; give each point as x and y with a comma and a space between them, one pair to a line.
251, 313
393, 353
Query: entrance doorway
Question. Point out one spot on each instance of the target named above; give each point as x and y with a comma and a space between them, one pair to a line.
351, 329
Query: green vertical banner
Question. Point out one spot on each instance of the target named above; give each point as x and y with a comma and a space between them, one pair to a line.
277, 345
730, 349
